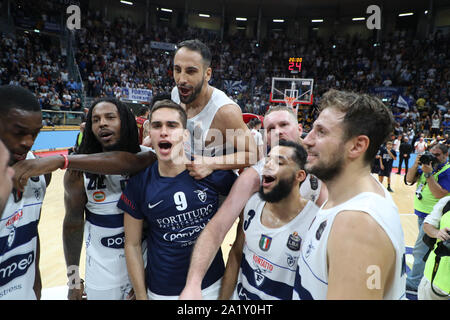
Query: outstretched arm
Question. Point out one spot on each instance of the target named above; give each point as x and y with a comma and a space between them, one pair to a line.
210, 239
114, 162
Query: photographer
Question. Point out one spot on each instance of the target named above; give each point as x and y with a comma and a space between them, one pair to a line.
437, 266
433, 183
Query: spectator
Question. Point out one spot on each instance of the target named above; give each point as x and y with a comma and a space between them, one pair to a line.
433, 183
387, 157
420, 146
435, 284
404, 154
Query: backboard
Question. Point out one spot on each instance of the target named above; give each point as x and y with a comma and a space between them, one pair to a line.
292, 91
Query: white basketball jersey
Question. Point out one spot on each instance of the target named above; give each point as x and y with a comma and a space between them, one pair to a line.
103, 231
269, 259
18, 240
309, 189
200, 124
312, 278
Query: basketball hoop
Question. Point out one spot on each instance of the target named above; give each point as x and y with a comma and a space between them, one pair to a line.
290, 102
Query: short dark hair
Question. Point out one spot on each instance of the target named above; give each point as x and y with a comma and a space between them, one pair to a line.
299, 153
129, 139
364, 115
142, 111
159, 97
17, 97
198, 46
170, 105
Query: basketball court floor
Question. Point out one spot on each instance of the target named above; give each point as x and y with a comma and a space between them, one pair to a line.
52, 264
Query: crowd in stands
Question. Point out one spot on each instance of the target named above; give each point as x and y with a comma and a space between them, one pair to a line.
116, 54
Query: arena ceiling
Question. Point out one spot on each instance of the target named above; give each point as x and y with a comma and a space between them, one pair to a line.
296, 8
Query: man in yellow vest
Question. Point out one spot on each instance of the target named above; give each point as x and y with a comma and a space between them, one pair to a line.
433, 183
435, 284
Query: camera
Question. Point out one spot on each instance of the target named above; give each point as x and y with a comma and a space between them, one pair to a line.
428, 158
443, 248
419, 195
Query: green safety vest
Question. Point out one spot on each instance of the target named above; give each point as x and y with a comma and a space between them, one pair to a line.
80, 138
442, 278
428, 200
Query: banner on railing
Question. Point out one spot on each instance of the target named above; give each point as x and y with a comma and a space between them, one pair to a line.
137, 94
163, 45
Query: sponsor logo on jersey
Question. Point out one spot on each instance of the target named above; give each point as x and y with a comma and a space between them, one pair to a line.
265, 242
186, 235
11, 236
259, 277
15, 217
263, 263
188, 218
151, 206
309, 249
15, 266
320, 230
291, 260
114, 242
35, 179
17, 195
127, 201
201, 194
99, 196
37, 193
294, 241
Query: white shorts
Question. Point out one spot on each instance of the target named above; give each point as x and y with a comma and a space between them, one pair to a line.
210, 293
119, 293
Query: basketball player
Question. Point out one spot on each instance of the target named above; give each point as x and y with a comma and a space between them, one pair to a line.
354, 249
281, 124
214, 122
20, 123
176, 206
91, 204
275, 221
6, 174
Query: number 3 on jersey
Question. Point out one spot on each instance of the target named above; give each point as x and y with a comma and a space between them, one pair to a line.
251, 215
180, 200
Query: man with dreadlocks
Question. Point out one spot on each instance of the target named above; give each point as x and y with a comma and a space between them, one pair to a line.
90, 201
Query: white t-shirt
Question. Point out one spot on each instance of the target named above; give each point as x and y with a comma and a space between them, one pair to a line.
258, 137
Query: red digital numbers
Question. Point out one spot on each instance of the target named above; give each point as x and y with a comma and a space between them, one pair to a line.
295, 63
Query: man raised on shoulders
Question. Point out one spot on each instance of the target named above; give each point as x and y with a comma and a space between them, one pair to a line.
218, 132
